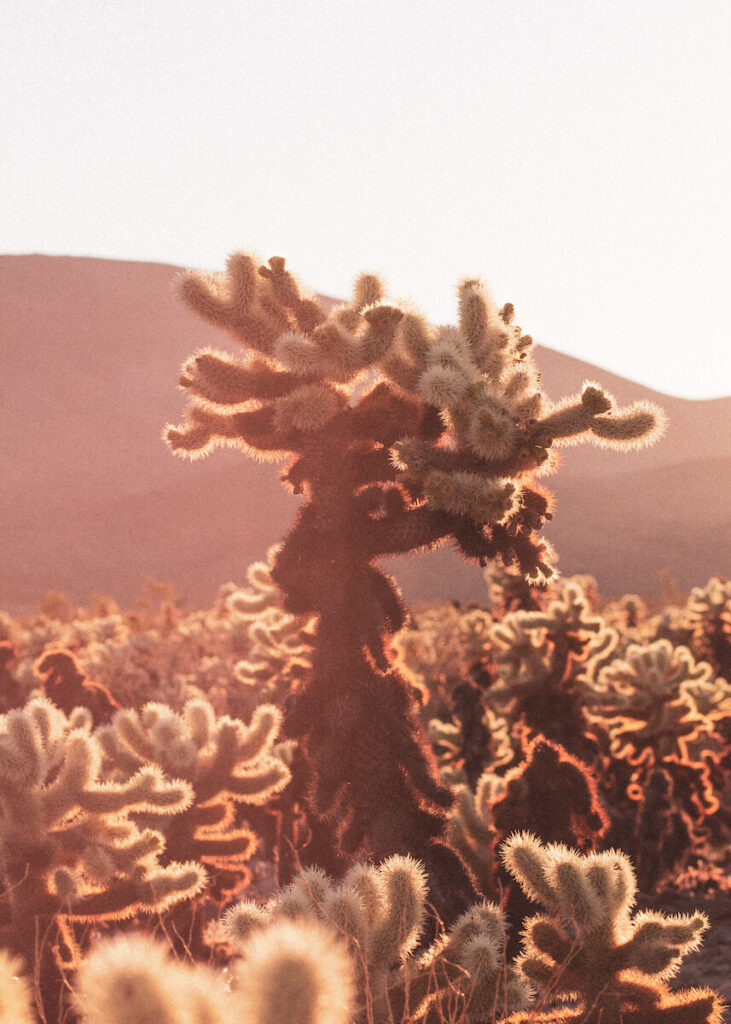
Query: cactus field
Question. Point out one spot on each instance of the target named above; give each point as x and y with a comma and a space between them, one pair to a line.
311, 804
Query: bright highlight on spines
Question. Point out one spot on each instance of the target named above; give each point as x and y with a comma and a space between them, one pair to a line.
305, 362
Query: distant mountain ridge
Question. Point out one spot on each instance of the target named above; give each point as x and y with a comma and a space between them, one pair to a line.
93, 501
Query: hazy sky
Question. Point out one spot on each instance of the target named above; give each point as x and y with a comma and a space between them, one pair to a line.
575, 154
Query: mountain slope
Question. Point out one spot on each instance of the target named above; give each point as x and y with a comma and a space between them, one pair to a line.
93, 500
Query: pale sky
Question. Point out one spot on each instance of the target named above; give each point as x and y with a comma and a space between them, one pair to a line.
574, 154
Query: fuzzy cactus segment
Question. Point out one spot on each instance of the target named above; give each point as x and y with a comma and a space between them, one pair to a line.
590, 948
295, 972
16, 997
71, 848
132, 979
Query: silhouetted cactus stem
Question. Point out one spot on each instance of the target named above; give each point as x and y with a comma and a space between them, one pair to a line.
65, 684
444, 443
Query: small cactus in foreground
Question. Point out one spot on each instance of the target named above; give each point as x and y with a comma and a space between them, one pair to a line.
16, 999
590, 949
70, 848
380, 912
131, 979
295, 973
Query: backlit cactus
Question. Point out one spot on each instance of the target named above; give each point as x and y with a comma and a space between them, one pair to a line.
380, 912
280, 644
299, 973
441, 441
70, 850
545, 659
590, 948
132, 979
16, 997
224, 763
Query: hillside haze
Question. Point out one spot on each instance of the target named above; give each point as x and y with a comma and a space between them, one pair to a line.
94, 501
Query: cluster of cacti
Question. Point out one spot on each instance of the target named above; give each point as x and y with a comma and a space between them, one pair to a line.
380, 913
326, 953
133, 796
650, 721
665, 787
132, 657
71, 851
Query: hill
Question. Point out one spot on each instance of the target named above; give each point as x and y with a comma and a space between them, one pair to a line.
93, 501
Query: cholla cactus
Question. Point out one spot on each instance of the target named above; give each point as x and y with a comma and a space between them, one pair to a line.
380, 913
11, 693
294, 972
509, 591
442, 444
69, 847
223, 762
132, 979
708, 617
280, 644
463, 752
64, 683
628, 615
590, 948
545, 661
649, 674
437, 648
666, 762
649, 699
298, 973
550, 793
553, 794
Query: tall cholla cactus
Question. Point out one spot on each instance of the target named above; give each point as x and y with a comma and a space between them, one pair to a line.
400, 436
69, 848
592, 950
380, 913
495, 425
